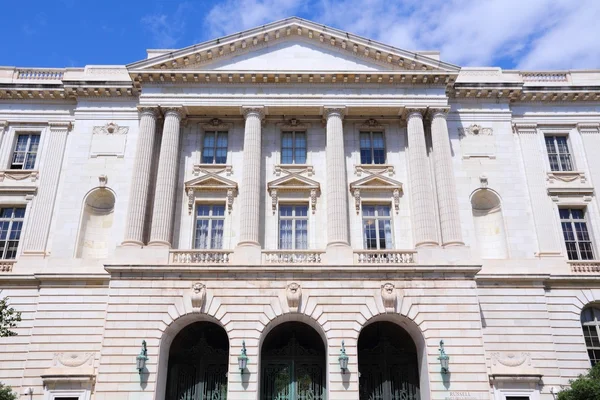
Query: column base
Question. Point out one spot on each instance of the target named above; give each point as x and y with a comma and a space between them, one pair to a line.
132, 243
159, 243
453, 244
426, 244
247, 253
339, 254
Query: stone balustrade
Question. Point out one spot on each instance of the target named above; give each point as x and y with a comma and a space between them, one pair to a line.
384, 256
7, 265
585, 267
544, 76
292, 256
46, 74
200, 256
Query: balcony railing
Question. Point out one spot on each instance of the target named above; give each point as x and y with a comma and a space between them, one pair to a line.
45, 74
384, 256
292, 256
7, 265
544, 76
585, 267
191, 257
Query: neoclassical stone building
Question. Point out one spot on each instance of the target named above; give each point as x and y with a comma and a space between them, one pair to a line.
298, 213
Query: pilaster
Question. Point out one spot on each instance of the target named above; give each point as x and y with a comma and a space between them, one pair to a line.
140, 180
444, 179
42, 207
421, 191
166, 179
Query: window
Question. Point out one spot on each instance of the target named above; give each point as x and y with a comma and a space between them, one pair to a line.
209, 226
11, 223
372, 148
293, 148
590, 323
214, 150
575, 233
293, 227
25, 152
558, 153
377, 227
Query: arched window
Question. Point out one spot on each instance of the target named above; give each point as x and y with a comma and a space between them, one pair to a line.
489, 224
590, 323
96, 224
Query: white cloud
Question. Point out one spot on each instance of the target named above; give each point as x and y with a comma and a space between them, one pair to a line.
167, 30
531, 34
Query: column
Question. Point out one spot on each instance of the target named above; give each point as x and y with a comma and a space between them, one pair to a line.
422, 204
250, 188
444, 179
42, 207
337, 192
166, 179
140, 179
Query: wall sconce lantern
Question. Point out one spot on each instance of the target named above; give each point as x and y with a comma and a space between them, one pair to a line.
243, 358
140, 360
343, 359
444, 358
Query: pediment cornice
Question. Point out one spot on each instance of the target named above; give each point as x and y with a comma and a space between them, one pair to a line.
210, 182
293, 182
376, 183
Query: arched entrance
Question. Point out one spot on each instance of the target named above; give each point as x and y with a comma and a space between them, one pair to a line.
293, 364
387, 363
198, 359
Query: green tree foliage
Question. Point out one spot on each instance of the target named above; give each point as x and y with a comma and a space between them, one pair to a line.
8, 319
6, 393
586, 387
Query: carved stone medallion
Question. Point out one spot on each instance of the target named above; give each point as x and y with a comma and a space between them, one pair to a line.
198, 295
388, 296
293, 293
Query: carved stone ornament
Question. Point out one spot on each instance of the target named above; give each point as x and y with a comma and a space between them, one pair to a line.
483, 181
102, 180
216, 124
198, 295
475, 130
371, 125
293, 124
19, 175
357, 200
388, 296
73, 360
274, 200
293, 293
511, 359
110, 128
396, 195
313, 200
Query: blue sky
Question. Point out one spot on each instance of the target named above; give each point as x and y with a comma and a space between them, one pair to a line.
520, 34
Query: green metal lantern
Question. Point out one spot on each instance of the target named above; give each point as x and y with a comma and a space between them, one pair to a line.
343, 359
140, 360
243, 358
444, 359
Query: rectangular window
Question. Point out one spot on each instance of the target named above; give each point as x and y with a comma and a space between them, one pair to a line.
25, 153
558, 153
576, 234
210, 219
372, 148
377, 227
11, 223
214, 150
293, 227
293, 148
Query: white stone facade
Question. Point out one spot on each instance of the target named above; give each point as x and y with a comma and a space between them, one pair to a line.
474, 256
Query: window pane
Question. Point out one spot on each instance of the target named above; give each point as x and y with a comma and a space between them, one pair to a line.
285, 234
285, 211
370, 234
368, 211
564, 213
4, 229
383, 211
216, 237
577, 213
201, 237
565, 162
561, 144
203, 210
208, 149
554, 165
301, 234
300, 156
550, 148
287, 140
301, 211
365, 148
378, 156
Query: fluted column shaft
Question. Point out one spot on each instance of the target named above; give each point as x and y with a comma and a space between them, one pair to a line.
250, 188
337, 195
422, 202
140, 179
42, 207
166, 180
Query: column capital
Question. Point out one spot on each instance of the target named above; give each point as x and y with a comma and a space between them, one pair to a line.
148, 110
176, 111
438, 112
258, 111
329, 111
412, 112
60, 125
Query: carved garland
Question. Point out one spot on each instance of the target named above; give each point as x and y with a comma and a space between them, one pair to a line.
110, 128
475, 130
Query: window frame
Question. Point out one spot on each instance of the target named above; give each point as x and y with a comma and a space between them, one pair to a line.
29, 134
215, 147
377, 219
294, 218
294, 133
370, 133
596, 324
571, 221
557, 152
11, 220
211, 217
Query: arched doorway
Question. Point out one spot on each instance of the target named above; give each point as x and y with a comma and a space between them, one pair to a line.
198, 359
293, 364
387, 363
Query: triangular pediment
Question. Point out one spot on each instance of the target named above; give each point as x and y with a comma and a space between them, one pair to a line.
211, 181
293, 182
293, 44
376, 182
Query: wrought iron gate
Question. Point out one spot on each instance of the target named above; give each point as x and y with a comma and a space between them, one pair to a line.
293, 372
